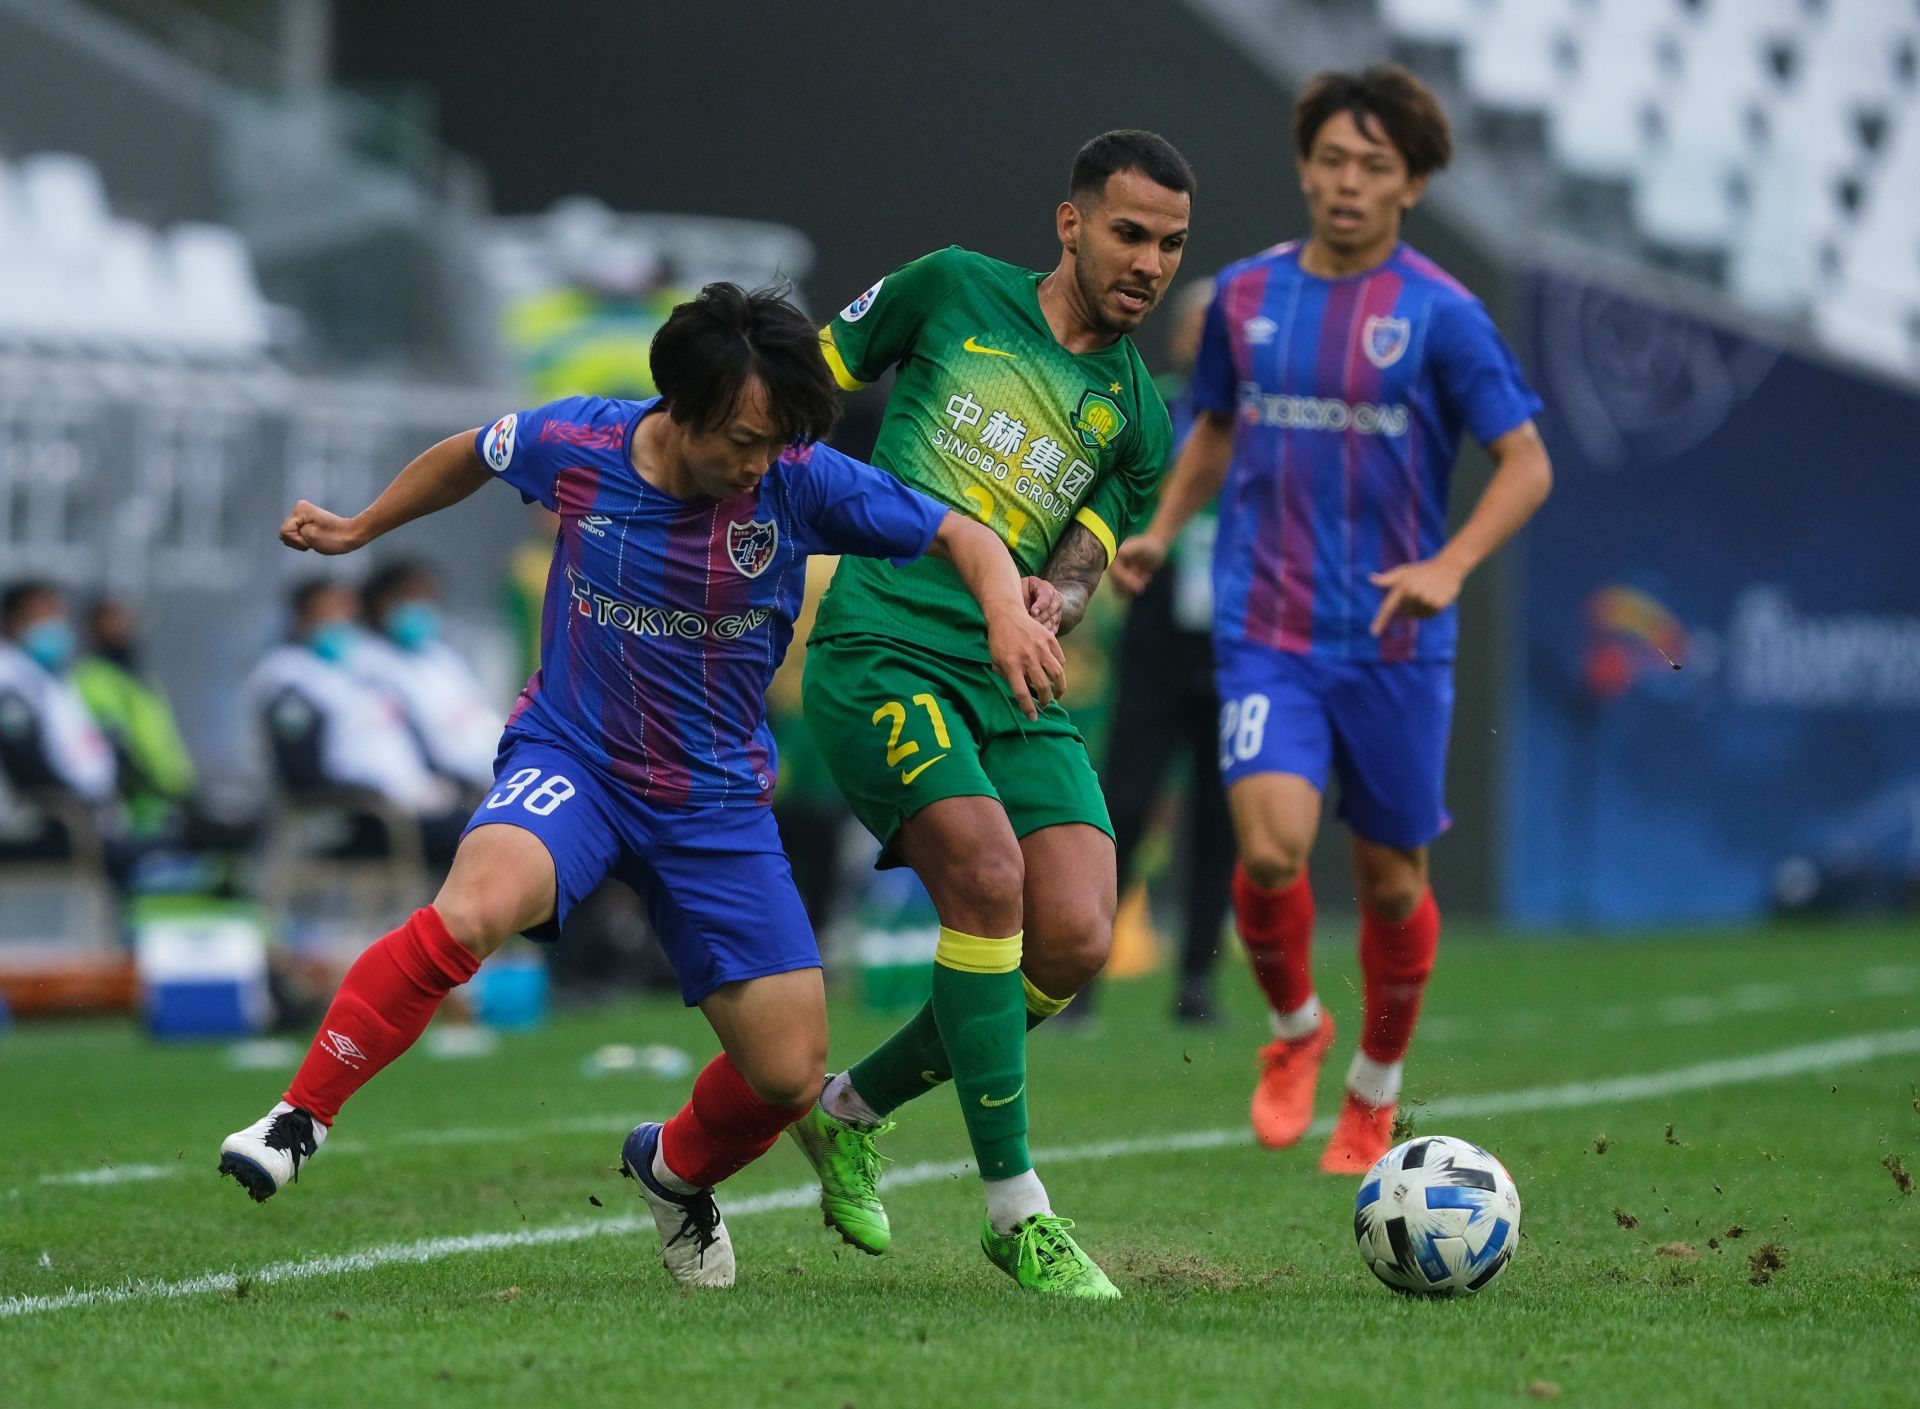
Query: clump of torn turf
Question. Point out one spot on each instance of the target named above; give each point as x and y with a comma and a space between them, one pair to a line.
1902, 1179
1770, 1258
1625, 1219
1685, 1252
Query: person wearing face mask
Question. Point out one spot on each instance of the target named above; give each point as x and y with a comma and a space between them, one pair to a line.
324, 726
404, 654
49, 743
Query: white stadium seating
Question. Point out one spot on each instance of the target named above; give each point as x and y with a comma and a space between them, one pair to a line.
1777, 140
75, 276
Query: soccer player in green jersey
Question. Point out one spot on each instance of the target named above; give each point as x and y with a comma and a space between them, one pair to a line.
1019, 399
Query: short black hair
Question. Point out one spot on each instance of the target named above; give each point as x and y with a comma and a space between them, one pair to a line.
1128, 149
300, 596
1386, 94
712, 345
21, 595
391, 580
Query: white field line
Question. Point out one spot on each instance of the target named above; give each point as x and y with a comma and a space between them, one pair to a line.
1679, 1010
1764, 1066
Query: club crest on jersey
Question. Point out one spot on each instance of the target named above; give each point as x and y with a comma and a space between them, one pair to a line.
751, 545
1384, 340
1260, 330
857, 310
1099, 420
497, 446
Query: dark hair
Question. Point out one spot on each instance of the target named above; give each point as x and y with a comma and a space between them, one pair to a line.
712, 346
389, 581
300, 596
21, 595
1128, 149
1412, 117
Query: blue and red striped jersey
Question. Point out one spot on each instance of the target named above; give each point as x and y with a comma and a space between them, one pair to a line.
1348, 398
666, 618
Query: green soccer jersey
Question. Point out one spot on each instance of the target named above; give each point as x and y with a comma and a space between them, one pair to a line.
992, 417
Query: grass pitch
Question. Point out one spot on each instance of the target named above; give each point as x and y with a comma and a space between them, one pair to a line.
1710, 1136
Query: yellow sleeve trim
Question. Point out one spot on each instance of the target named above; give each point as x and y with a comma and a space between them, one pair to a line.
1099, 530
837, 364
1040, 1004
972, 954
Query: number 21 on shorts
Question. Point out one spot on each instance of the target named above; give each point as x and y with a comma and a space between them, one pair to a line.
1243, 728
541, 801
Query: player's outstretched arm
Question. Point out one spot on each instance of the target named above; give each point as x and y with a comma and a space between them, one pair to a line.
1522, 478
1196, 478
442, 475
1023, 649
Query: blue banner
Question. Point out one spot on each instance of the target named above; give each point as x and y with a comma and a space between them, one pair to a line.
1715, 686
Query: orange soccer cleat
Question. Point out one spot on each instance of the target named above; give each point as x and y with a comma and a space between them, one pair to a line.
1283, 1099
1361, 1135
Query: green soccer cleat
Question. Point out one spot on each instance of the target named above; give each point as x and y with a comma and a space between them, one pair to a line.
1041, 1257
849, 1169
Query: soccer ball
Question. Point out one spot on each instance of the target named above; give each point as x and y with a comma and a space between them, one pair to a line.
1437, 1216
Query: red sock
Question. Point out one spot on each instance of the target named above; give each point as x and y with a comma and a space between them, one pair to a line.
1277, 928
1395, 959
385, 1002
724, 1128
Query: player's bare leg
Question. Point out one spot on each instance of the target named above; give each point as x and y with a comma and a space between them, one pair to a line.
1399, 933
773, 1040
1275, 816
501, 882
1069, 905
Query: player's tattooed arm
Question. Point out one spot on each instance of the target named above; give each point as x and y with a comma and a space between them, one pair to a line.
1075, 568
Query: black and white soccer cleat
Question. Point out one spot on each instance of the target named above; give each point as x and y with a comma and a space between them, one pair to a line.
694, 1244
268, 1155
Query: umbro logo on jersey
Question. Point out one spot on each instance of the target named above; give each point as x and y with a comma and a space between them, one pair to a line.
1385, 340
342, 1046
1260, 331
973, 345
596, 524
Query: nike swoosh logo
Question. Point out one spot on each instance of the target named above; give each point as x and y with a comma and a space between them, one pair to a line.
990, 1103
971, 346
907, 775
932, 1078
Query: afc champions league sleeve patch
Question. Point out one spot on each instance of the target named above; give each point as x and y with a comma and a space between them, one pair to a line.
498, 445
857, 310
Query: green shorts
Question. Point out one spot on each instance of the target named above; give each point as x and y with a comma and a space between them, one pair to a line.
901, 727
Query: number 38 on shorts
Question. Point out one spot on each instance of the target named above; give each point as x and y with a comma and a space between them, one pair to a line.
541, 801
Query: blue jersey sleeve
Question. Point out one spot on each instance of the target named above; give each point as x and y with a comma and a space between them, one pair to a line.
521, 450
1478, 374
1214, 382
843, 505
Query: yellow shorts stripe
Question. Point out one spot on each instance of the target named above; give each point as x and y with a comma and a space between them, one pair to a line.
1038, 1003
837, 364
972, 954
1098, 528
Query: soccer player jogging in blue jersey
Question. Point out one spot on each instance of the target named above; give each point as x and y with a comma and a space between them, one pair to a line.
1334, 380
640, 747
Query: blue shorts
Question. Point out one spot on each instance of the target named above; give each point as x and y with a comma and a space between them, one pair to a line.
1380, 726
715, 880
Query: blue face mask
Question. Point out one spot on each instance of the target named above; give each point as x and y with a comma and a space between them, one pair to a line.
413, 626
331, 641
51, 643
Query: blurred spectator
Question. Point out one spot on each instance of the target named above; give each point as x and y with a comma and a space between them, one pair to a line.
525, 589
48, 740
1166, 712
406, 655
154, 772
327, 729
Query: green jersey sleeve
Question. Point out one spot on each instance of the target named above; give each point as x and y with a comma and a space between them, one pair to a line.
1118, 500
877, 329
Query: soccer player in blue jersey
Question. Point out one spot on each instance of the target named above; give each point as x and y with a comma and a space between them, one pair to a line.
1335, 378
640, 746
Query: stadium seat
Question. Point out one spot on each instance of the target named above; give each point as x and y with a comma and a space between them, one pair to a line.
216, 304
1858, 320
1512, 58
1598, 117
1429, 21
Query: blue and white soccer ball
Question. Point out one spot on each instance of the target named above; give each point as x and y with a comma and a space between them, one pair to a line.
1437, 1216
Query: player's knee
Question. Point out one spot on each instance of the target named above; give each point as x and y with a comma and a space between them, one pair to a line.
1272, 864
987, 885
790, 1082
1075, 957
1393, 900
478, 921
